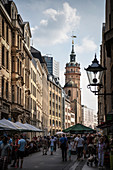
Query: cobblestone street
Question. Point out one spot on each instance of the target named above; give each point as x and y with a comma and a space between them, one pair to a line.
53, 162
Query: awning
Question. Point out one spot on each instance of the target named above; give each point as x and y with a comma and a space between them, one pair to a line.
8, 125
33, 128
105, 125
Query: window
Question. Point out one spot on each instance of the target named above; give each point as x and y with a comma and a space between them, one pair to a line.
17, 94
13, 64
53, 95
50, 122
2, 87
7, 89
7, 60
56, 97
50, 112
34, 91
50, 94
13, 93
69, 93
56, 106
7, 33
3, 49
34, 105
56, 123
13, 38
59, 99
31, 104
18, 41
34, 77
20, 96
60, 124
17, 65
53, 122
31, 73
3, 28
20, 67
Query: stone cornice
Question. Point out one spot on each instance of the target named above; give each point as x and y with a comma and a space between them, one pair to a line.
6, 14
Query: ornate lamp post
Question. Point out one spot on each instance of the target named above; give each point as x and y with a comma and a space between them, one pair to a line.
95, 72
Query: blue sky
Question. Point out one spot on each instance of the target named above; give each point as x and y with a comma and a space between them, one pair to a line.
52, 23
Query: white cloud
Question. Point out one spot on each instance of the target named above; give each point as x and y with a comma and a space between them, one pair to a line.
87, 45
52, 13
56, 25
34, 29
44, 22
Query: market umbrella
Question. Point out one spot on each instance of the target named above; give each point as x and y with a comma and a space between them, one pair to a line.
79, 128
9, 125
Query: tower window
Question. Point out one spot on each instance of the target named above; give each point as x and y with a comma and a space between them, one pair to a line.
69, 93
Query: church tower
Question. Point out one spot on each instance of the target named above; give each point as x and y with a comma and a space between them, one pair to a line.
72, 84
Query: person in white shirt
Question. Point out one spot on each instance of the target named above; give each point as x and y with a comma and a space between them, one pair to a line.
80, 147
52, 144
69, 149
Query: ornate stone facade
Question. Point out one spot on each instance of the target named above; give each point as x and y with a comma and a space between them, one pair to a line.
14, 63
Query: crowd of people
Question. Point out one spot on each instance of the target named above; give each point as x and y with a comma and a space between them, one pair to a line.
13, 149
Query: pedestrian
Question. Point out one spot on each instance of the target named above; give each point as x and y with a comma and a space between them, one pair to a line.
101, 147
5, 153
52, 144
85, 145
55, 142
10, 141
90, 145
75, 142
21, 150
44, 145
15, 150
63, 145
80, 142
69, 149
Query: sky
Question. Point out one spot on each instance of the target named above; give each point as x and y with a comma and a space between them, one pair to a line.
52, 23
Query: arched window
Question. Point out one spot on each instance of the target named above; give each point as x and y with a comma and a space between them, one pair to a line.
69, 93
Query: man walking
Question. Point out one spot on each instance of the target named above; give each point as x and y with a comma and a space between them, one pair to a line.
63, 144
21, 146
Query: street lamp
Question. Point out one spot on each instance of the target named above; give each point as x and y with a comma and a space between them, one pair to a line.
95, 72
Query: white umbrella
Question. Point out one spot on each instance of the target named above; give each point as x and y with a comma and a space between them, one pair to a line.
59, 133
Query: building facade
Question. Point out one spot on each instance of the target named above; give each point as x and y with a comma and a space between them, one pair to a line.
72, 85
55, 105
89, 118
52, 66
45, 115
105, 103
15, 63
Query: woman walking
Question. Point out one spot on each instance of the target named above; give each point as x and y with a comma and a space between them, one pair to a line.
101, 147
5, 153
52, 144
